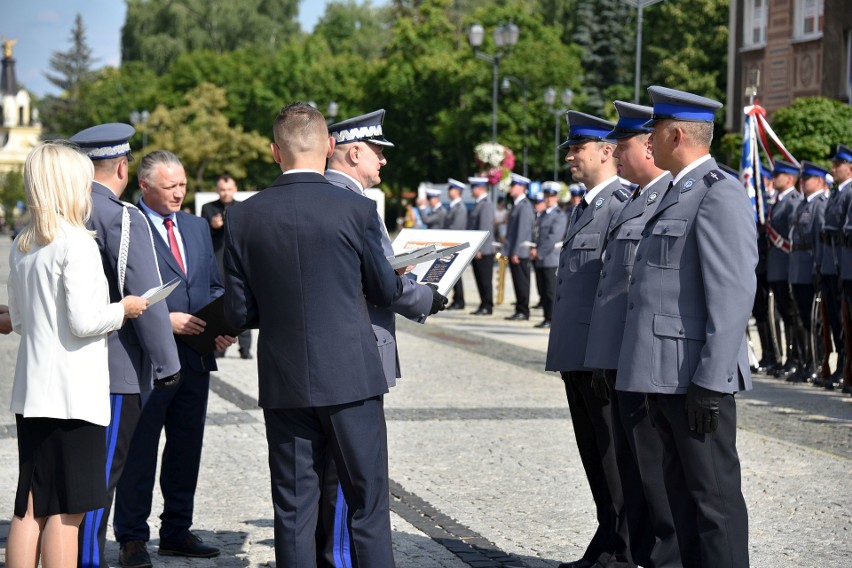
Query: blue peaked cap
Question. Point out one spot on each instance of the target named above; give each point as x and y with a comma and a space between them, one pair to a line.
680, 105
782, 167
764, 171
842, 154
631, 120
812, 169
583, 127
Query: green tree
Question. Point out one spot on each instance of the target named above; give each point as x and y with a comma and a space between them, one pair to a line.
811, 127
199, 133
11, 191
156, 32
354, 28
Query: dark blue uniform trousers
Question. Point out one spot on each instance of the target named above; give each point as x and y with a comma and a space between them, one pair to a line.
181, 411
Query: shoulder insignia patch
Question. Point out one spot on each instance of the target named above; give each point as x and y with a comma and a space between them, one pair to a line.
622, 194
713, 177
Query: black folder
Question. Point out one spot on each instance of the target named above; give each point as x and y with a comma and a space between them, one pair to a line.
214, 314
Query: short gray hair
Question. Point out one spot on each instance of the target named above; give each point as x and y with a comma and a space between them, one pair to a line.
153, 160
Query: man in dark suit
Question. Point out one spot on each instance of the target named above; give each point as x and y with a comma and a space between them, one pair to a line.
647, 522
688, 306
518, 238
184, 251
482, 219
214, 213
303, 263
456, 220
355, 165
550, 230
143, 349
590, 157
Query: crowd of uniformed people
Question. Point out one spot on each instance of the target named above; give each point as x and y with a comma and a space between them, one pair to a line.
646, 279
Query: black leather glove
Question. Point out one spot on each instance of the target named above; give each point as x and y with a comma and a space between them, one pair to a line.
702, 408
439, 301
167, 382
600, 388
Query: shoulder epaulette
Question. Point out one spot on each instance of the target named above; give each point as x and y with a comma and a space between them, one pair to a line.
713, 176
621, 194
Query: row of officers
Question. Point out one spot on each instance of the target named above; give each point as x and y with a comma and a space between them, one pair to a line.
804, 277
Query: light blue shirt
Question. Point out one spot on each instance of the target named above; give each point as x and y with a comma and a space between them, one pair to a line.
160, 227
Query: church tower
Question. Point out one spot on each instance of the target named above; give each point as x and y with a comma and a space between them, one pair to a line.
20, 128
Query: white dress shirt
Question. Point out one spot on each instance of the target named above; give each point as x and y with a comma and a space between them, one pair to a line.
59, 303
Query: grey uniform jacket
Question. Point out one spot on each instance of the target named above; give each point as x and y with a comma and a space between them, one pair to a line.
577, 279
610, 309
414, 303
807, 222
777, 260
145, 344
551, 230
482, 219
434, 219
519, 228
692, 290
832, 238
456, 218
846, 250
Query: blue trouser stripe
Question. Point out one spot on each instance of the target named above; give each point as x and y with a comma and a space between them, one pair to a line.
90, 555
342, 556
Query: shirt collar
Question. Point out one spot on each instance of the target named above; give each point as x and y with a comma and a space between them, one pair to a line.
844, 185
680, 175
520, 198
652, 182
592, 193
815, 194
454, 201
156, 216
301, 171
785, 193
347, 176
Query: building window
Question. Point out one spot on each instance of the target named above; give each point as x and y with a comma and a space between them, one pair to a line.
754, 32
808, 19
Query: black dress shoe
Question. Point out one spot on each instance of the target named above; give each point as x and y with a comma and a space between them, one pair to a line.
455, 306
190, 546
245, 354
518, 316
538, 306
545, 324
581, 563
481, 312
134, 554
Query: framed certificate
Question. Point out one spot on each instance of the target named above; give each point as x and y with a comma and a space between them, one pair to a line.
444, 271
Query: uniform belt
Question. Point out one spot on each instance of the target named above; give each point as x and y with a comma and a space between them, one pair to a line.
801, 246
831, 238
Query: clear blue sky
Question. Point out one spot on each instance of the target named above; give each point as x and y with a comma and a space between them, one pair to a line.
44, 26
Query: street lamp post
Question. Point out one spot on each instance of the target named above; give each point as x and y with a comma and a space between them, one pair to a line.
640, 5
507, 84
331, 112
136, 118
550, 99
506, 35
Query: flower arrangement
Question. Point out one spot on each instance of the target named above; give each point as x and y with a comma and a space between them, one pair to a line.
496, 162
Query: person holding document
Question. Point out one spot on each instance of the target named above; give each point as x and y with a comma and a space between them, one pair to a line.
184, 251
303, 262
354, 165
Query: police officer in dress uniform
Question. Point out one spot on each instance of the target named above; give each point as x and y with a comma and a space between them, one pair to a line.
433, 215
784, 177
551, 225
518, 236
841, 169
482, 219
806, 222
355, 164
537, 200
832, 250
688, 305
646, 505
590, 157
760, 310
144, 348
456, 220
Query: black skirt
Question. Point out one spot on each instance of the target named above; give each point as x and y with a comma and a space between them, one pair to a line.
64, 463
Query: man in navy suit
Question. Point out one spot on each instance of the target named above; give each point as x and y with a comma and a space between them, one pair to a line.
184, 251
142, 350
303, 262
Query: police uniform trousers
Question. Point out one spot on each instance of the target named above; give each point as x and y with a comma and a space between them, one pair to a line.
483, 270
760, 310
334, 548
592, 421
521, 282
299, 440
703, 469
181, 411
458, 293
832, 298
545, 279
803, 294
124, 415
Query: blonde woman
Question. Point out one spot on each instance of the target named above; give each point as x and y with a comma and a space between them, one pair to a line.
59, 304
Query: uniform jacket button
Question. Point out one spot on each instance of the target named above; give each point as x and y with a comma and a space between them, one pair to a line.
638, 257
600, 293
680, 331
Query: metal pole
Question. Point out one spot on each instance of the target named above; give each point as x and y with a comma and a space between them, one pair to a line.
496, 68
556, 147
638, 53
525, 128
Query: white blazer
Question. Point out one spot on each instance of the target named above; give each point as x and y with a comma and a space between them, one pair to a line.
59, 303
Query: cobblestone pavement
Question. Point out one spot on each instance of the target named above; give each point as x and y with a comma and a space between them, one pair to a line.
483, 465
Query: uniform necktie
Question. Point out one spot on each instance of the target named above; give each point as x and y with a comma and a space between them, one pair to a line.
578, 210
173, 244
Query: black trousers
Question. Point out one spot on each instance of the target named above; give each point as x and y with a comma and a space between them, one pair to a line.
804, 296
521, 282
181, 412
833, 303
784, 302
545, 278
592, 420
483, 271
703, 470
124, 415
299, 439
458, 294
760, 310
